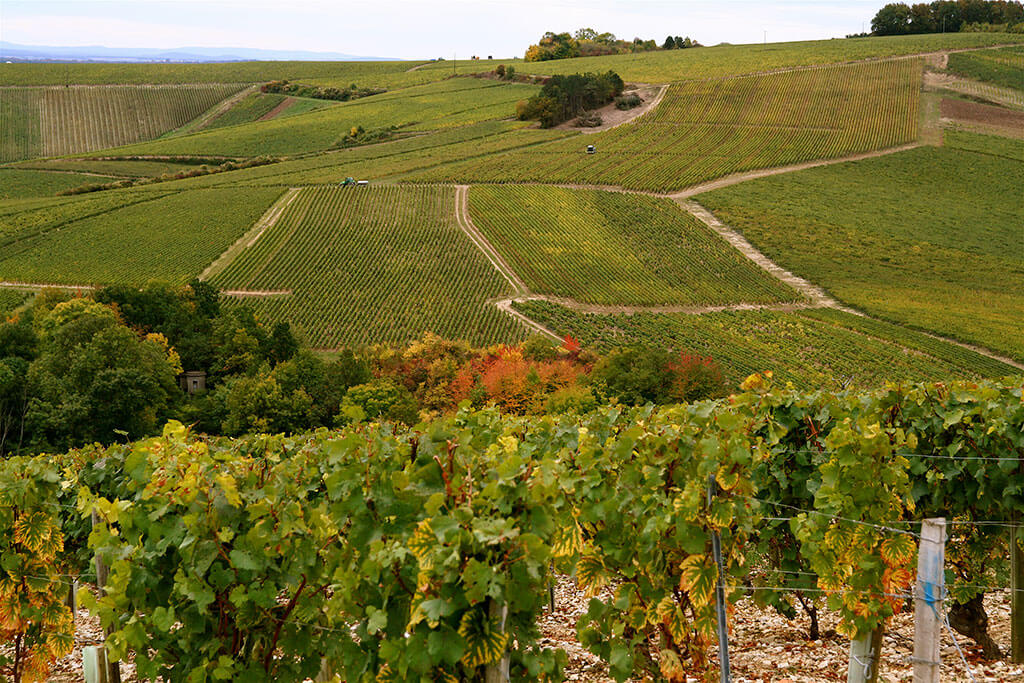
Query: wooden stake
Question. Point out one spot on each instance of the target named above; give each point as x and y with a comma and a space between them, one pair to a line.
865, 657
929, 593
1017, 592
113, 669
723, 626
499, 671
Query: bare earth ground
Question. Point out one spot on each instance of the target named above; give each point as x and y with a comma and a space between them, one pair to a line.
276, 111
985, 116
612, 116
763, 646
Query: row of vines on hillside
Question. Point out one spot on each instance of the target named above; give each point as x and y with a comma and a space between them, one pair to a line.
378, 264
704, 129
424, 554
37, 122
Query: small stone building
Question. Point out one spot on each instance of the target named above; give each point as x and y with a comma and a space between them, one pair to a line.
192, 381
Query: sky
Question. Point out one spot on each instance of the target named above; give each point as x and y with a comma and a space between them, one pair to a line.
415, 29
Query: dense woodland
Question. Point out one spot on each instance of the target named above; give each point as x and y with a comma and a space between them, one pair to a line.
943, 16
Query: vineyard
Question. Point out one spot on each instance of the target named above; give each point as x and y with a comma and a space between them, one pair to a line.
704, 129
426, 553
38, 122
890, 238
124, 168
986, 144
611, 248
1003, 67
452, 103
23, 183
256, 105
380, 264
801, 347
720, 61
151, 235
10, 299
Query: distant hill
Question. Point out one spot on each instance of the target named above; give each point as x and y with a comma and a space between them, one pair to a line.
97, 53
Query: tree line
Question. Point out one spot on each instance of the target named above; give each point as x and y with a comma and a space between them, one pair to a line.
901, 18
103, 368
564, 97
586, 42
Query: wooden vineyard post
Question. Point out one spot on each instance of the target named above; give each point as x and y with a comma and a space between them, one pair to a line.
1017, 591
113, 669
723, 626
865, 656
498, 672
929, 592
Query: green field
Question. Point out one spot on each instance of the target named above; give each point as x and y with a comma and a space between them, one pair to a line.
123, 168
10, 299
256, 105
616, 249
704, 129
930, 238
452, 103
796, 347
373, 265
1002, 66
669, 66
170, 237
16, 183
46, 122
985, 144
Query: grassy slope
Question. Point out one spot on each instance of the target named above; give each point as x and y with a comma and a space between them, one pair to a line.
19, 183
985, 144
808, 352
1004, 66
452, 103
376, 74
611, 248
729, 60
706, 129
135, 168
167, 237
904, 237
258, 104
372, 265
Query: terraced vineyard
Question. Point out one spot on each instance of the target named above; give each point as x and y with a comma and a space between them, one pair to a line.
439, 105
379, 264
616, 249
149, 235
37, 122
797, 347
704, 129
1002, 66
902, 237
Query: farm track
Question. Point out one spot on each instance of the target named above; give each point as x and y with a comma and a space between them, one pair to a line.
252, 235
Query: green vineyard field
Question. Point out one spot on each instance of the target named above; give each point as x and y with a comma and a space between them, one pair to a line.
704, 129
170, 237
45, 122
10, 299
804, 348
368, 265
1003, 66
669, 66
985, 144
258, 104
903, 237
16, 183
123, 168
440, 105
616, 249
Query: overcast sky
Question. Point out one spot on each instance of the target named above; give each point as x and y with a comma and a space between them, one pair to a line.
415, 28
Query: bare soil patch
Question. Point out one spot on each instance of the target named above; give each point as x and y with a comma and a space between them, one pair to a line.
961, 111
276, 111
612, 116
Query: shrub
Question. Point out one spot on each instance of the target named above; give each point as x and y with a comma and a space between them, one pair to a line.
628, 101
378, 400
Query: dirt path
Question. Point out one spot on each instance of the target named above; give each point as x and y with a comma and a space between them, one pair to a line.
251, 236
613, 117
204, 119
34, 286
481, 242
276, 111
1007, 97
